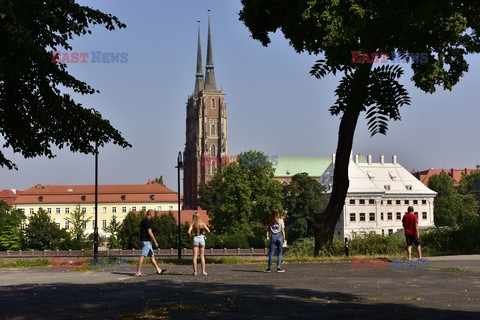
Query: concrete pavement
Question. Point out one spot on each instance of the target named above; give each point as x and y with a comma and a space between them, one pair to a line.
448, 289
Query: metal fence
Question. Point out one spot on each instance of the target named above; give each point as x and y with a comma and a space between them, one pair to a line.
162, 253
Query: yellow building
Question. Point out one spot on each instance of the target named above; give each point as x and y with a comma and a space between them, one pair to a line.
60, 201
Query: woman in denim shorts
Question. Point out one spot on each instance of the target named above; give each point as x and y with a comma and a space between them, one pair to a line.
196, 230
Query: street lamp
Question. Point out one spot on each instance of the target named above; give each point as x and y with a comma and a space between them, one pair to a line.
179, 167
95, 230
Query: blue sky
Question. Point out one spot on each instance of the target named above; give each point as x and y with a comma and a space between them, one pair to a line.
273, 104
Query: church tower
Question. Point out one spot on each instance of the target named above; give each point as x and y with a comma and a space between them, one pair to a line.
206, 128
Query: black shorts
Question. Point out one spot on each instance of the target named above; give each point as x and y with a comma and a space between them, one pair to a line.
413, 240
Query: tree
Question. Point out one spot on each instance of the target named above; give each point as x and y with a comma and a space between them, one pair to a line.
240, 197
159, 180
43, 234
77, 220
11, 235
452, 208
302, 197
469, 182
129, 231
35, 114
164, 227
355, 31
112, 229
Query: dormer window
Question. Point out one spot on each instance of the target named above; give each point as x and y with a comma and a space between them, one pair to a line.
40, 199
83, 198
387, 187
408, 186
152, 197
123, 197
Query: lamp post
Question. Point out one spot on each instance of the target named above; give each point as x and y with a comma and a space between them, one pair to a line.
95, 230
179, 167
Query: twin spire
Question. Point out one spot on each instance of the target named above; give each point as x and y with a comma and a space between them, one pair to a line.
209, 83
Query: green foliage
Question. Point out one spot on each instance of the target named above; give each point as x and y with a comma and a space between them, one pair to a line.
113, 228
452, 208
469, 183
304, 247
452, 241
11, 235
42, 233
372, 243
128, 235
165, 229
302, 197
77, 220
239, 199
36, 115
159, 180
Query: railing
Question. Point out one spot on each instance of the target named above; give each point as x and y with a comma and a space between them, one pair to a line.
164, 253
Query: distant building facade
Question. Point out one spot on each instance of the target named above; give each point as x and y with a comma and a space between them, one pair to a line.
60, 201
206, 143
378, 197
456, 174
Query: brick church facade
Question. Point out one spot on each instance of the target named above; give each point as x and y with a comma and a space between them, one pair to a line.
206, 128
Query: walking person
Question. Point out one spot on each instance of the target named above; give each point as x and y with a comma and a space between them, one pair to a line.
412, 233
276, 229
146, 239
196, 231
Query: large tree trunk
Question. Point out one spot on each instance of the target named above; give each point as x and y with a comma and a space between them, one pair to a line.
325, 221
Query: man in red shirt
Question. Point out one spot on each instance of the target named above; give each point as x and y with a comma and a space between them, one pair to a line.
412, 234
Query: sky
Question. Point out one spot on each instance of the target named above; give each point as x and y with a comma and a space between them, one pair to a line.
273, 104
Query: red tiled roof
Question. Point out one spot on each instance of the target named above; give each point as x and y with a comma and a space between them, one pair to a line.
9, 195
151, 192
455, 174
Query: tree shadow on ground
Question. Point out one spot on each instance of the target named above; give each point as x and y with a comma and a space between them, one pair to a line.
171, 299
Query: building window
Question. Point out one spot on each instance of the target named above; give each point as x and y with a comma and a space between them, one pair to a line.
390, 231
84, 209
49, 210
352, 216
170, 208
415, 201
213, 103
57, 210
213, 150
114, 209
23, 210
398, 202
362, 216
212, 130
361, 201
67, 210
93, 209
399, 215
372, 216
84, 226
424, 215
424, 201
159, 208
381, 215
104, 224
22, 226
407, 202
58, 224
416, 214
32, 210
352, 201
67, 225
93, 224
144, 208
134, 208
371, 201
389, 202
389, 216
383, 232
124, 209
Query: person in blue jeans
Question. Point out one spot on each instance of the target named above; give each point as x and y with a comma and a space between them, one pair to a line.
276, 229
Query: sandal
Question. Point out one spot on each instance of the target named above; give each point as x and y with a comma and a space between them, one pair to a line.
162, 271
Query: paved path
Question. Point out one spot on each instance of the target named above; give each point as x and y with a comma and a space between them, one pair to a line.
449, 289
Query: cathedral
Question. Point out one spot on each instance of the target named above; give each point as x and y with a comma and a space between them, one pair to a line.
206, 128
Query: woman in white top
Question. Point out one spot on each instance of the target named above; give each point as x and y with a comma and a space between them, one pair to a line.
276, 228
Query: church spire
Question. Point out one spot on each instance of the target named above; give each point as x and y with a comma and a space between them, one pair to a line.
210, 84
199, 75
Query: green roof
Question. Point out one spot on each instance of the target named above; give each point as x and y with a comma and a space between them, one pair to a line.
290, 166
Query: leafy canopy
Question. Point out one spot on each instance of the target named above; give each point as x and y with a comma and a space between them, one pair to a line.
34, 114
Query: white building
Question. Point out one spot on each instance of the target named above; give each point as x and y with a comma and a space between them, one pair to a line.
378, 196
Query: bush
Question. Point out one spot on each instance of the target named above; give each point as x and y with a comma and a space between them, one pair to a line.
304, 247
450, 240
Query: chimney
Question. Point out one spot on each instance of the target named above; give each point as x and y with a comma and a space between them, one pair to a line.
356, 159
394, 159
369, 159
38, 186
382, 159
333, 158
